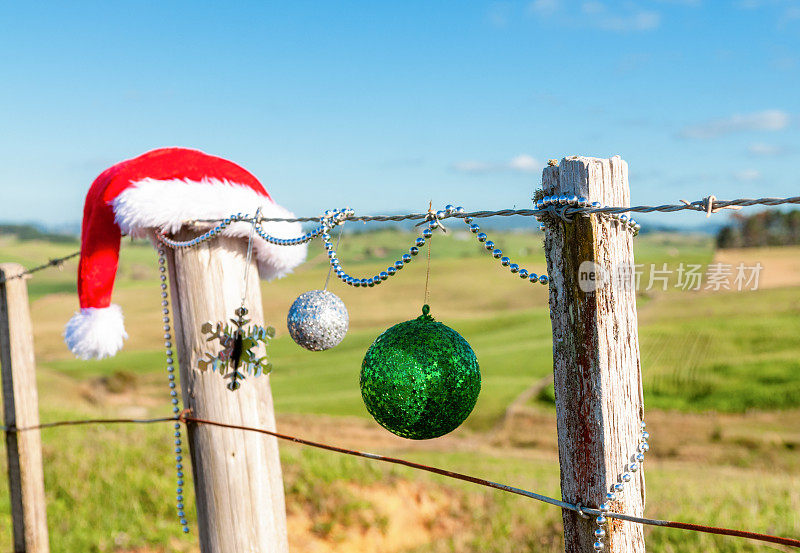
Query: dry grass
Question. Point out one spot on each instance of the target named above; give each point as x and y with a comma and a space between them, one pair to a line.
781, 265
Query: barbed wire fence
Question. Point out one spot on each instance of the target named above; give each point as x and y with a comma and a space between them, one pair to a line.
564, 210
186, 418
707, 205
54, 262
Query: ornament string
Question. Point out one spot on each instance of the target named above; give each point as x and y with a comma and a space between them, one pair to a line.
249, 256
428, 275
434, 220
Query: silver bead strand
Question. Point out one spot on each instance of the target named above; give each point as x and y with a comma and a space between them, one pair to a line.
497, 253
371, 282
331, 219
615, 493
208, 235
170, 358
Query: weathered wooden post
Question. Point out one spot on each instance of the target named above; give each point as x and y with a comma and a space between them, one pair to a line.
21, 409
598, 384
237, 474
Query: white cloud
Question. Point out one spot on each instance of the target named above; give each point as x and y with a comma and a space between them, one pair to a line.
593, 13
522, 163
641, 20
785, 12
592, 7
785, 63
472, 166
764, 149
750, 4
631, 63
759, 4
791, 13
747, 175
544, 7
767, 120
499, 14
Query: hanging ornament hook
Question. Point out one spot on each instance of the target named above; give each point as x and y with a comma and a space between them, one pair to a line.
249, 254
434, 218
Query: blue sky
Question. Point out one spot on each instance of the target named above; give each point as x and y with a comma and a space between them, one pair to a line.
385, 105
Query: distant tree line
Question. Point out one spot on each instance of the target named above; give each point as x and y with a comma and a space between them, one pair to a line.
766, 228
32, 232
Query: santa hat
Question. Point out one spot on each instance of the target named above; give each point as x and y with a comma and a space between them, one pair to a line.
158, 192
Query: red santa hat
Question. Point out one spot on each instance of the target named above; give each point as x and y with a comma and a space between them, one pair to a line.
158, 192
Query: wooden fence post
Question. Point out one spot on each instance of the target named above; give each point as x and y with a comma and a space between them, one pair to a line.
237, 474
21, 409
597, 373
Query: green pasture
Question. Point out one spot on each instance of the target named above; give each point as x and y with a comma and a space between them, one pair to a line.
111, 489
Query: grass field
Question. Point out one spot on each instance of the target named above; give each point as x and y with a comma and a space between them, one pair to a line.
722, 393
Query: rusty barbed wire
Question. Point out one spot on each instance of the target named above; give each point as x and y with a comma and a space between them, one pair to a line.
54, 262
186, 418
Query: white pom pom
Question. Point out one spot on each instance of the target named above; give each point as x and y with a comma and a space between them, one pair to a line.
95, 333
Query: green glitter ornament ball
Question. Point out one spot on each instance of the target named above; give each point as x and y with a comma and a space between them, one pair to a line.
420, 379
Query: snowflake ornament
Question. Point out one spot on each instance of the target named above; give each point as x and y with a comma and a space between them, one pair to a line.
237, 356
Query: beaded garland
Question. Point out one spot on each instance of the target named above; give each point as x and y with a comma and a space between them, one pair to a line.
636, 460
433, 223
335, 217
328, 221
390, 271
162, 262
505, 261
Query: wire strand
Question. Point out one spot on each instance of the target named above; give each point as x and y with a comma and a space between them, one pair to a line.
707, 205
55, 262
698, 205
185, 418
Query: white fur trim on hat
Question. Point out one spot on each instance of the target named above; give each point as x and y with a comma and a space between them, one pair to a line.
95, 332
165, 205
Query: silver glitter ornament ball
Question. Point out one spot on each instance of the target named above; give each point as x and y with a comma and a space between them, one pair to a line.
317, 320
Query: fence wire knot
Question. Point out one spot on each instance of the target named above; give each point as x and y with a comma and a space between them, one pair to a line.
707, 205
562, 212
181, 417
557, 211
432, 215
